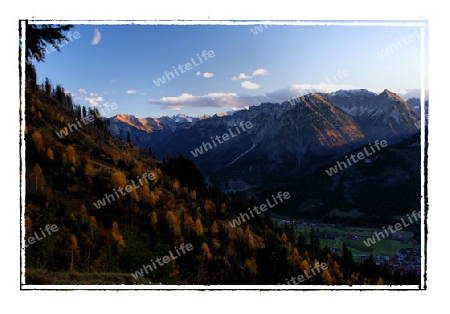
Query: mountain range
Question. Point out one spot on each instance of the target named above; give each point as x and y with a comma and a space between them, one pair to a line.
288, 143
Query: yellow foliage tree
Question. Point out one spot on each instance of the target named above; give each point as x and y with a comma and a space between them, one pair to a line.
215, 244
116, 158
89, 170
240, 234
232, 234
353, 278
157, 173
152, 198
210, 208
174, 223
205, 254
326, 277
214, 228
295, 259
63, 158
134, 196
335, 268
38, 141
50, 154
249, 238
188, 224
289, 246
84, 217
176, 185
118, 179
154, 220
36, 179
198, 212
223, 208
284, 239
251, 266
144, 194
71, 155
250, 241
380, 281
117, 236
305, 266
74, 249
199, 230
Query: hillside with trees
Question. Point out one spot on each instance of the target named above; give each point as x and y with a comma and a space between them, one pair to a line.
66, 176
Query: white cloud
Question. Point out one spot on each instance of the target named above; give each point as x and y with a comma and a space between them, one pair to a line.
93, 100
198, 73
408, 93
82, 90
208, 100
319, 88
297, 90
236, 102
176, 108
260, 72
207, 74
131, 91
96, 38
241, 76
250, 85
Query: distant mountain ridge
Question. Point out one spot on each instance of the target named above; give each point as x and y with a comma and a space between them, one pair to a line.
385, 115
288, 141
145, 132
314, 124
375, 115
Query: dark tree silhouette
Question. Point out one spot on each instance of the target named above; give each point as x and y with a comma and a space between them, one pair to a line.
347, 261
39, 36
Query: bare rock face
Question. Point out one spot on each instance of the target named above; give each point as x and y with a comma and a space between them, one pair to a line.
380, 116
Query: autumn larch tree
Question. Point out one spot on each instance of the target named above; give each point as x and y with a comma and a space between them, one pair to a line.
188, 224
214, 228
117, 236
205, 253
74, 249
174, 223
154, 220
38, 141
295, 260
199, 227
36, 179
251, 265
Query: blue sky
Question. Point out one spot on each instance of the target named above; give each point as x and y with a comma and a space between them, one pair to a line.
120, 63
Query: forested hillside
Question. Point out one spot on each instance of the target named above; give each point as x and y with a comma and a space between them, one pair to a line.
66, 176
81, 228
